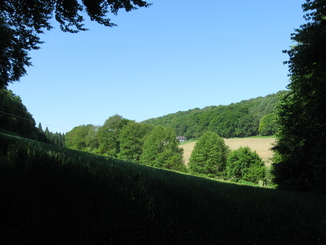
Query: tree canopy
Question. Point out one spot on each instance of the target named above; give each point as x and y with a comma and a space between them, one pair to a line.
235, 120
14, 116
268, 125
244, 164
108, 135
301, 113
161, 149
21, 23
131, 140
209, 155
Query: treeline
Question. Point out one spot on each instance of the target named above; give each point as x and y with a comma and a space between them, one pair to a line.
157, 146
211, 157
127, 140
246, 118
15, 118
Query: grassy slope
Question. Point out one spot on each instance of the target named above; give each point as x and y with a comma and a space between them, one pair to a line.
58, 196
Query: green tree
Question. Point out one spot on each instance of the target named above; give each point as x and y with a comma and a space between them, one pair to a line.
108, 135
235, 120
77, 138
131, 139
243, 164
21, 23
301, 113
268, 125
209, 155
161, 149
91, 139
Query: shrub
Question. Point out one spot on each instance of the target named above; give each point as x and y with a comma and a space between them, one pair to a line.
243, 164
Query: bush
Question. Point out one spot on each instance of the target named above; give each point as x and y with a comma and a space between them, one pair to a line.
243, 164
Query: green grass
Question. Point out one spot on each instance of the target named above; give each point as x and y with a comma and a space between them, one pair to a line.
52, 195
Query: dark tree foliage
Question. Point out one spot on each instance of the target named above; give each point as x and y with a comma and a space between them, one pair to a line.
14, 116
234, 120
302, 117
51, 138
22, 21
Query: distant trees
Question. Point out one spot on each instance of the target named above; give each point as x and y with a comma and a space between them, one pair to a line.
79, 138
235, 120
268, 125
158, 147
301, 113
21, 23
244, 164
161, 149
129, 141
209, 155
58, 139
213, 158
131, 138
108, 135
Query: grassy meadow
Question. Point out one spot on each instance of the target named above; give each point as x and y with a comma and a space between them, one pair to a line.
52, 195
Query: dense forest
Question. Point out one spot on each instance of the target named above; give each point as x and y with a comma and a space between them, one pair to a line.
246, 118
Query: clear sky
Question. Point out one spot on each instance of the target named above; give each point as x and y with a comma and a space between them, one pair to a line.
173, 56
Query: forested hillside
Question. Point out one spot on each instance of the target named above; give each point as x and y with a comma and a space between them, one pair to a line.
246, 118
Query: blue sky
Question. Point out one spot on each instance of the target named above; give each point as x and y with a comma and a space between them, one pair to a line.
173, 56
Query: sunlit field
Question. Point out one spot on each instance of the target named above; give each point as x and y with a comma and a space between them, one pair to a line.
262, 145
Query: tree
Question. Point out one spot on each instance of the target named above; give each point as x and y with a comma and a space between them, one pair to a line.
268, 125
21, 23
209, 155
77, 138
161, 150
243, 164
131, 140
14, 116
108, 135
91, 139
234, 120
301, 113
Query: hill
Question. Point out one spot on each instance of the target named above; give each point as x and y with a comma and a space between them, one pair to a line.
240, 119
52, 195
